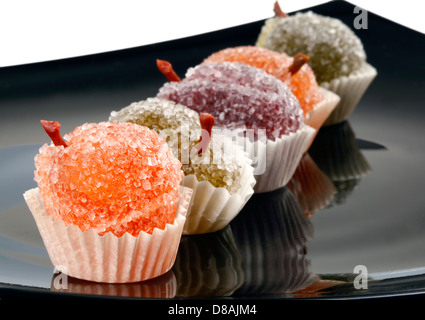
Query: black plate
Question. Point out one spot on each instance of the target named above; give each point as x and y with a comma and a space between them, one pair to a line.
356, 199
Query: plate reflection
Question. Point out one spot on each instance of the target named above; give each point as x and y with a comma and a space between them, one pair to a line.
336, 153
263, 251
162, 287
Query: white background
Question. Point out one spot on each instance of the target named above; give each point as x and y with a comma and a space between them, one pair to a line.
42, 30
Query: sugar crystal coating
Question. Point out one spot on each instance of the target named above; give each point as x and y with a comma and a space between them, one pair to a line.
181, 128
174, 122
303, 83
221, 164
112, 177
333, 48
238, 93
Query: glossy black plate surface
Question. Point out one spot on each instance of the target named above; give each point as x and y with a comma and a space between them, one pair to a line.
356, 200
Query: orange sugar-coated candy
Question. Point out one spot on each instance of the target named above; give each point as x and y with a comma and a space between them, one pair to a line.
302, 83
111, 177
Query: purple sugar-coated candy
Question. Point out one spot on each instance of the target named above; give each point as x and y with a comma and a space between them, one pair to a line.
234, 92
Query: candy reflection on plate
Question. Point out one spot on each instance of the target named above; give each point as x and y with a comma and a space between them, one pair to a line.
336, 153
318, 288
208, 265
313, 189
271, 235
164, 287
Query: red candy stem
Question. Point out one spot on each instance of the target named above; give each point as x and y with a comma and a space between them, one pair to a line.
207, 122
167, 70
278, 11
300, 59
52, 129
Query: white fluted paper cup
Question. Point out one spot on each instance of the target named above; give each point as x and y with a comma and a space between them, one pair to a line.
350, 89
276, 161
88, 256
212, 208
321, 111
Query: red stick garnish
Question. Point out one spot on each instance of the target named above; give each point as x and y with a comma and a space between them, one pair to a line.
167, 70
207, 122
52, 129
278, 11
300, 59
